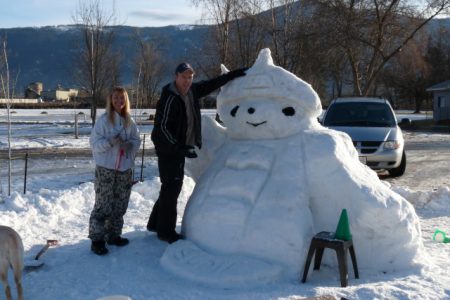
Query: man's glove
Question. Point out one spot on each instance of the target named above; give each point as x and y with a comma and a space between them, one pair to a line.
237, 73
127, 146
189, 152
115, 140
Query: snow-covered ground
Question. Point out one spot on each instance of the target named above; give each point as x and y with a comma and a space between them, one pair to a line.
40, 128
60, 197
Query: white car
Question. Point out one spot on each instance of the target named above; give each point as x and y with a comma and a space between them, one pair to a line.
372, 126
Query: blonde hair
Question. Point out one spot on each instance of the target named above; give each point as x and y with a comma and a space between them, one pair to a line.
125, 113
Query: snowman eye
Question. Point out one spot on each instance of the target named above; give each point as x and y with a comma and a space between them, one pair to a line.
234, 111
288, 111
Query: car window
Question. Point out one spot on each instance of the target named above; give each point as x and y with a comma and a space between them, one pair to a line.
361, 114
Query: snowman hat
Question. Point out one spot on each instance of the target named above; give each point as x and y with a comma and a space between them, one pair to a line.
264, 80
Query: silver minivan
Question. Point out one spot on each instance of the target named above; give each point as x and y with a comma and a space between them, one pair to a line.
372, 126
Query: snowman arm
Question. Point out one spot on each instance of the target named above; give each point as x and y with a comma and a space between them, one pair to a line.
205, 87
213, 136
331, 155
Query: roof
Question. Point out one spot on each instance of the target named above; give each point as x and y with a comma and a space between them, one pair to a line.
360, 99
443, 86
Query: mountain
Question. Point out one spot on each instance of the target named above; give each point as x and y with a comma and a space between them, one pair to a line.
48, 54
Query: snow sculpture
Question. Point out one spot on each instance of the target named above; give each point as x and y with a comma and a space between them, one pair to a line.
273, 177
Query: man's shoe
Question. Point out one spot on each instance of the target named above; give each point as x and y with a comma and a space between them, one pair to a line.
118, 241
151, 228
99, 247
171, 238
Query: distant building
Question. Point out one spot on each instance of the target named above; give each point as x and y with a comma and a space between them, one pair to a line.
19, 101
60, 94
441, 100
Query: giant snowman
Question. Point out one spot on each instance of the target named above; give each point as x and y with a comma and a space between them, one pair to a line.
271, 178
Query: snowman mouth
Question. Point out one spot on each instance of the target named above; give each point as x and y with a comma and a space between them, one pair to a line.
256, 124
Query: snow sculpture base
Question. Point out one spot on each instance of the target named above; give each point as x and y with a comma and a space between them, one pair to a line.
187, 260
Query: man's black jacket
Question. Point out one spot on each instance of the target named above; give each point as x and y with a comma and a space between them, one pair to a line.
169, 131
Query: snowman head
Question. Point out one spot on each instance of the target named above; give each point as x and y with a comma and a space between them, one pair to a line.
269, 102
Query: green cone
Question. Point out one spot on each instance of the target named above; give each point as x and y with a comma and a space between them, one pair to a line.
343, 227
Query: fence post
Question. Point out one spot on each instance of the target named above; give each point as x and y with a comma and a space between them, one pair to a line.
76, 126
25, 177
142, 161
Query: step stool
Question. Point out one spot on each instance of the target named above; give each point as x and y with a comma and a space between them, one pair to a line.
324, 240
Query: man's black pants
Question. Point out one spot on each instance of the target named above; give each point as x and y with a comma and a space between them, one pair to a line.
163, 218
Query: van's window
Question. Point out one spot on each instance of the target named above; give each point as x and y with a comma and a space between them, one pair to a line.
359, 114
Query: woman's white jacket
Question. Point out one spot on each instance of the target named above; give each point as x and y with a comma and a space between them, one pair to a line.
113, 156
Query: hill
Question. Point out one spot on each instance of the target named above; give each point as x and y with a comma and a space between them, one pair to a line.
48, 54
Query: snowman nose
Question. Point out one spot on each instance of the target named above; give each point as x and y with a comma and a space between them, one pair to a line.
251, 110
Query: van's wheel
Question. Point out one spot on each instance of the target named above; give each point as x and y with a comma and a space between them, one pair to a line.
400, 170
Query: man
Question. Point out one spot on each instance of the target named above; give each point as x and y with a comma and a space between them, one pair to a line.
176, 131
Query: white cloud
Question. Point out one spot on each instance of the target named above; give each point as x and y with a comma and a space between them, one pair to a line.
22, 13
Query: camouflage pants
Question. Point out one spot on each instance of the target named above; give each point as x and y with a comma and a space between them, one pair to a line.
112, 193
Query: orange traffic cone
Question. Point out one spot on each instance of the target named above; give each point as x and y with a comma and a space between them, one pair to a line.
343, 227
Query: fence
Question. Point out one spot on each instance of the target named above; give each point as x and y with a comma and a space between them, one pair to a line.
75, 163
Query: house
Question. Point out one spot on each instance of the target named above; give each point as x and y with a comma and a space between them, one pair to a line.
60, 94
441, 100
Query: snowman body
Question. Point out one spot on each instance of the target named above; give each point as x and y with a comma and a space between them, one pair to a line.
253, 200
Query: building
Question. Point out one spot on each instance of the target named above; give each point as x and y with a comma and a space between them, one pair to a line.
19, 101
441, 100
59, 94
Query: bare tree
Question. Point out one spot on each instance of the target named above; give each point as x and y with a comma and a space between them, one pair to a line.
338, 70
220, 13
408, 73
438, 55
149, 68
247, 34
237, 36
345, 40
6, 89
284, 27
98, 64
372, 32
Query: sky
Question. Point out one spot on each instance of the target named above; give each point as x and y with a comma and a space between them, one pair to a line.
140, 13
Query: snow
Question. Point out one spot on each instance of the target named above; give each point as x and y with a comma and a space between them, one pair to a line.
41, 128
60, 197
263, 195
185, 27
71, 271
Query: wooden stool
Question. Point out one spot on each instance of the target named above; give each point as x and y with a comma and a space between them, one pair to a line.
326, 239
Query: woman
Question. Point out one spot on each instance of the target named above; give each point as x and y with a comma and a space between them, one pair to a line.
114, 142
